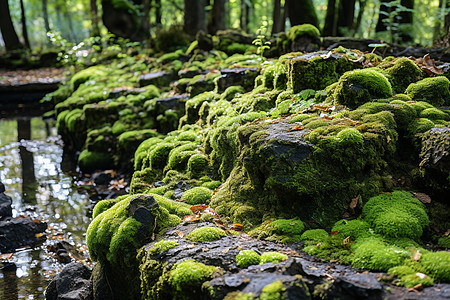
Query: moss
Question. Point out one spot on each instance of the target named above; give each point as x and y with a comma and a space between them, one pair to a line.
420, 125
187, 277
409, 277
161, 246
434, 90
212, 185
444, 242
88, 74
311, 71
372, 253
434, 114
179, 156
401, 73
246, 258
315, 235
273, 291
157, 157
437, 264
281, 230
197, 195
206, 234
231, 92
272, 257
396, 215
157, 190
360, 86
329, 248
141, 152
238, 295
353, 228
103, 205
305, 29
197, 165
90, 161
173, 207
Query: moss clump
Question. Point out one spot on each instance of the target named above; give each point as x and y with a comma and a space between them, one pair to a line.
197, 195
273, 291
246, 258
90, 161
187, 277
272, 257
315, 235
420, 125
434, 114
206, 234
353, 228
88, 74
197, 165
372, 253
396, 215
437, 264
434, 90
304, 29
360, 86
281, 230
410, 277
401, 73
161, 246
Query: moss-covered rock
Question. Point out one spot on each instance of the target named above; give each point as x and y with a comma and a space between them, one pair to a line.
304, 29
281, 230
360, 86
197, 195
401, 72
434, 90
246, 258
161, 246
272, 257
89, 161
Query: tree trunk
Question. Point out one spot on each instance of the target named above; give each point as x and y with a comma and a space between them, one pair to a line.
194, 16
145, 21
243, 21
23, 20
158, 17
217, 17
278, 17
6, 26
406, 18
383, 15
301, 12
346, 15
94, 18
330, 26
362, 6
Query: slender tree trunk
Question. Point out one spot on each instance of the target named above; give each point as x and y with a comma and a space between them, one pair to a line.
243, 21
145, 20
383, 15
301, 12
346, 14
277, 17
406, 18
94, 18
45, 13
357, 24
330, 26
73, 36
194, 16
217, 17
158, 17
6, 26
59, 17
23, 20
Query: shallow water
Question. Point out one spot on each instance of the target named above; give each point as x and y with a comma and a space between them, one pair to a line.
31, 160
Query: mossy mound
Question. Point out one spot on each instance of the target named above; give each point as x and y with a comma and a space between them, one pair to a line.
206, 234
89, 161
281, 230
360, 86
401, 72
197, 195
434, 90
246, 258
353, 229
396, 214
304, 29
272, 257
161, 246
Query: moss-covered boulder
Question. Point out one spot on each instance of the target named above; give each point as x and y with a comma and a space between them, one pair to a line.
434, 90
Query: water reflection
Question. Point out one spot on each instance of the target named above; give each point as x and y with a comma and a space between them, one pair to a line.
30, 168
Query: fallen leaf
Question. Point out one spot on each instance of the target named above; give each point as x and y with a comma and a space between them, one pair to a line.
38, 235
191, 218
225, 250
416, 255
294, 128
190, 246
179, 233
354, 203
237, 227
334, 232
198, 208
6, 256
424, 198
205, 249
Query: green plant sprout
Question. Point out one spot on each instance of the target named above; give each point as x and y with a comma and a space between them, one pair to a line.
260, 42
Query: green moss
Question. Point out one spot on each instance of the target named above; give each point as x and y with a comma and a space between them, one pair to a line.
420, 125
246, 258
396, 215
410, 277
157, 190
157, 156
437, 264
197, 195
197, 165
434, 114
315, 235
444, 242
187, 277
103, 205
206, 234
281, 230
329, 248
372, 253
353, 228
174, 207
434, 90
273, 291
179, 156
212, 185
360, 86
161, 246
90, 161
238, 295
305, 29
272, 257
90, 73
401, 73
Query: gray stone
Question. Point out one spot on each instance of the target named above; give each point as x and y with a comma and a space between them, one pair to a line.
72, 283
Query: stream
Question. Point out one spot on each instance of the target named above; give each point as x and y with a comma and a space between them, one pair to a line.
37, 178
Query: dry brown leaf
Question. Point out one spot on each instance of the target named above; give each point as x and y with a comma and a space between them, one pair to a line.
6, 256
354, 203
179, 233
225, 250
416, 255
424, 198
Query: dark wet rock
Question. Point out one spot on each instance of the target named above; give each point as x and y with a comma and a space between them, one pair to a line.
159, 78
124, 91
5, 205
100, 286
158, 183
305, 43
70, 284
2, 188
436, 149
19, 232
237, 76
186, 73
356, 286
101, 178
175, 102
